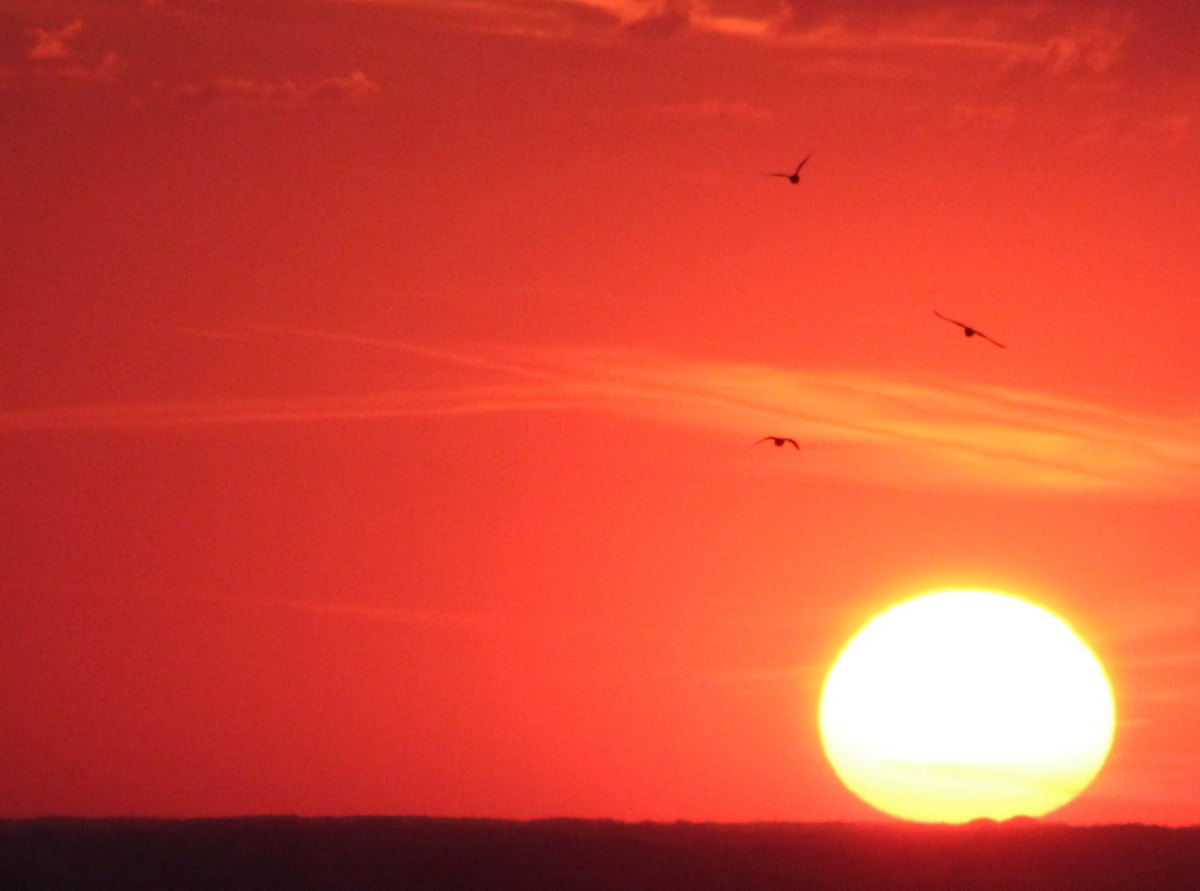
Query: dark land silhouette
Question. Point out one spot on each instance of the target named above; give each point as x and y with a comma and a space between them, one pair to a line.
436, 853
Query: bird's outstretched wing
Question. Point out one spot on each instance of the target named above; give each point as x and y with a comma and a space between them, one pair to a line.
801, 164
970, 331
955, 321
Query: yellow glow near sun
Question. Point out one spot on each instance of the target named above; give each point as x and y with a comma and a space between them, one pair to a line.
964, 704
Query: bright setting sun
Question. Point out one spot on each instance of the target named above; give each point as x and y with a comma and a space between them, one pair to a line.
957, 705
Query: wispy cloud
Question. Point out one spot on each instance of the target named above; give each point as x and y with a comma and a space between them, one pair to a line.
1057, 38
1155, 633
357, 88
220, 412
52, 56
54, 45
904, 431
761, 673
1150, 132
57, 55
449, 619
708, 110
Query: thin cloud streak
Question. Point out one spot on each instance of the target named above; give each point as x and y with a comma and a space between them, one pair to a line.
905, 432
1058, 39
487, 622
985, 435
357, 88
223, 412
764, 676
706, 110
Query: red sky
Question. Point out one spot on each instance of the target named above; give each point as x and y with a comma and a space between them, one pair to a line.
380, 383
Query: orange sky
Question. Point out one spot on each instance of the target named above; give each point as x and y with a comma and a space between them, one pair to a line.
380, 385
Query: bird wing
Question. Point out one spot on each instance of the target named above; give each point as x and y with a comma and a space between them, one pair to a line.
793, 442
801, 164
969, 329
784, 175
765, 439
955, 321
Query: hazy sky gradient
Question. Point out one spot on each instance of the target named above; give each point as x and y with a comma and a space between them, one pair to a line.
381, 381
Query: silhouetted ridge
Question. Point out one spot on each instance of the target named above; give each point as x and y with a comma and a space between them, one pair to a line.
443, 853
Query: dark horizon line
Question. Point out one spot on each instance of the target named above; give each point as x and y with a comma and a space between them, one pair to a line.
883, 822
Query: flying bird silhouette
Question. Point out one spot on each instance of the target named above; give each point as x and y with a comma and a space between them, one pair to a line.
779, 441
967, 329
793, 178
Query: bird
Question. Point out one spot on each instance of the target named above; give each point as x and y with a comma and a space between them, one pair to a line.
967, 329
793, 178
779, 441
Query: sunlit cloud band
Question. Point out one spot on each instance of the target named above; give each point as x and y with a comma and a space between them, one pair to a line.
884, 429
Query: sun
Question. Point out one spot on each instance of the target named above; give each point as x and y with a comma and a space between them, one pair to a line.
957, 705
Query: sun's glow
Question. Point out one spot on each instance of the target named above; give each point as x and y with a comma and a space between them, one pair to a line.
957, 705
